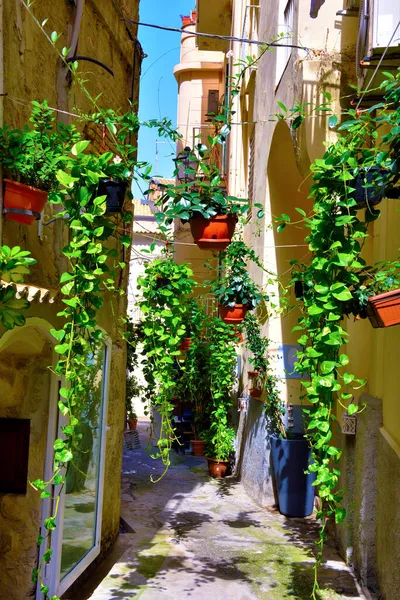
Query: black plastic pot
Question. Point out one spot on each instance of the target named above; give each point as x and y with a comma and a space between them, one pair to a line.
115, 191
369, 196
290, 458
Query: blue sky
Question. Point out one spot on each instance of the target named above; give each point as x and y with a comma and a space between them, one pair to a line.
158, 88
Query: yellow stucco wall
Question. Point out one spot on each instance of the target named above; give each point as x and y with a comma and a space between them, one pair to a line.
32, 71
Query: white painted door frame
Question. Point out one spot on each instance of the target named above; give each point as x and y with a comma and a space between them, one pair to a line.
51, 572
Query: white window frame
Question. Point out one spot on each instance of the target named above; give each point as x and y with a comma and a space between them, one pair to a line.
51, 572
285, 25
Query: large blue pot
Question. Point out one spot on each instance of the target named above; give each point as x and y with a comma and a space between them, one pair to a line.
290, 458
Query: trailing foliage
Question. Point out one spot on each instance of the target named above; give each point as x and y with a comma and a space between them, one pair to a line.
165, 288
337, 281
34, 155
221, 368
234, 284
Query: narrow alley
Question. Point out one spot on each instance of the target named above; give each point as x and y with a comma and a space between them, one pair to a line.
201, 538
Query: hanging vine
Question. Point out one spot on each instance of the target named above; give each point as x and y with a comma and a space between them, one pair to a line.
338, 282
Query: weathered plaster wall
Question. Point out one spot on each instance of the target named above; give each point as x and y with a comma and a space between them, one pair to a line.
24, 393
32, 70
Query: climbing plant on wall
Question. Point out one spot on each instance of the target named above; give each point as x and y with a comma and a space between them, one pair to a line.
337, 280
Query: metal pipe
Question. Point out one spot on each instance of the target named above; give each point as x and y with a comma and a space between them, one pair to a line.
92, 60
76, 28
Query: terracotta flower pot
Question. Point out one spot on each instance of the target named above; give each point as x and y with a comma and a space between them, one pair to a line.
215, 233
218, 469
186, 343
132, 423
23, 203
198, 447
233, 314
255, 393
239, 337
384, 310
252, 374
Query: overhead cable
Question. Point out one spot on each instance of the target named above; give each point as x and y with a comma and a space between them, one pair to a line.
215, 36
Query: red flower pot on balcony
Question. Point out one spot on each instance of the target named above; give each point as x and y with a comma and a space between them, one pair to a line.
255, 393
213, 234
384, 310
23, 203
233, 314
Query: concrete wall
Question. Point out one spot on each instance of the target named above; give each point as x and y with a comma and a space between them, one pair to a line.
32, 71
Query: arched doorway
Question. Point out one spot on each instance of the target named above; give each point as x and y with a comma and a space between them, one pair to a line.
287, 190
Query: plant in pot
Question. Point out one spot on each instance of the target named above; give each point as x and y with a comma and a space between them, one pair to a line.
221, 369
132, 419
236, 292
376, 294
201, 201
290, 456
120, 165
31, 159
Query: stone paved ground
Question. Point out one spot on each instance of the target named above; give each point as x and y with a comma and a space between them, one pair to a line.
201, 539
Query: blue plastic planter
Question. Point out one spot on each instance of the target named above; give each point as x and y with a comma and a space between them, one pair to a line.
290, 458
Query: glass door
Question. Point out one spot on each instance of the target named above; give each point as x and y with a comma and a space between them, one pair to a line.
76, 541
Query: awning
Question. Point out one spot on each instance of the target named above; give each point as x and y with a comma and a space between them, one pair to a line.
314, 8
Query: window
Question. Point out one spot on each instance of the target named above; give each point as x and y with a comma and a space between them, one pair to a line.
285, 29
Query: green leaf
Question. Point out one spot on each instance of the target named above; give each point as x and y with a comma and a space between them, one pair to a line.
351, 409
80, 147
332, 121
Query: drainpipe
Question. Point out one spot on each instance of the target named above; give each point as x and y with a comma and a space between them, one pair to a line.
76, 28
1, 110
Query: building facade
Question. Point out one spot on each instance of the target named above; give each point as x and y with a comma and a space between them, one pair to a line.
335, 44
88, 515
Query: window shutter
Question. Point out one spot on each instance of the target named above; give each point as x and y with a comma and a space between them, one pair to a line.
213, 103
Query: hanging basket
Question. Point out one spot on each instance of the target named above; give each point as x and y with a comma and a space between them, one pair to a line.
384, 310
349, 424
368, 196
23, 203
255, 393
213, 234
115, 191
233, 314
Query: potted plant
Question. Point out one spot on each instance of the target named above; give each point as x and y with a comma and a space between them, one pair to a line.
202, 201
235, 290
31, 159
290, 457
221, 372
376, 294
132, 419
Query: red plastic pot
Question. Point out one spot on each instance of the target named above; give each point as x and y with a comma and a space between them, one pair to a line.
198, 447
218, 469
132, 423
185, 345
252, 374
233, 314
255, 393
19, 198
384, 310
213, 234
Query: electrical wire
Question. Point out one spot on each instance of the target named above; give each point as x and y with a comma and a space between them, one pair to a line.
214, 36
378, 65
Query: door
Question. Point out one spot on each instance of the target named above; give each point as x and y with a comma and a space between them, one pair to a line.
76, 541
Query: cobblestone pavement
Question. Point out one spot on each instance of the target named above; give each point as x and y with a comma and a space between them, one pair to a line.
201, 539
